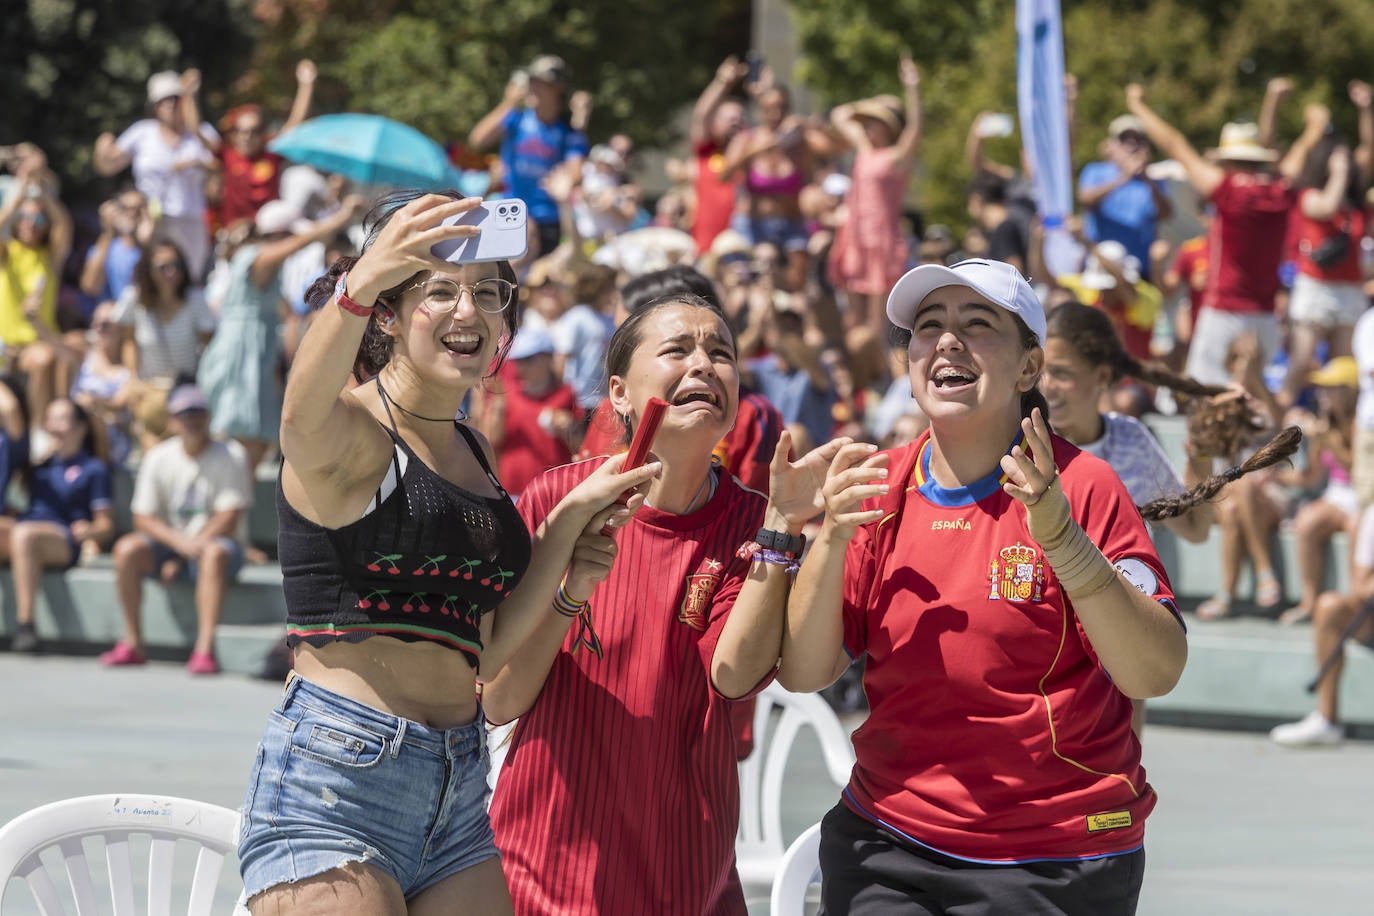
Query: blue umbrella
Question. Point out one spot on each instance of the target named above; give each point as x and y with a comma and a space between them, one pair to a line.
370, 149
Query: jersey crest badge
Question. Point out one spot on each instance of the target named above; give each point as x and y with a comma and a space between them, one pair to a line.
1017, 573
701, 588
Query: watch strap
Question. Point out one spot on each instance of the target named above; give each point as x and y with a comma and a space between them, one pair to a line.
781, 541
347, 304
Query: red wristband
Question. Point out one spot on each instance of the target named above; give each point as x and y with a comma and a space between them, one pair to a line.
347, 304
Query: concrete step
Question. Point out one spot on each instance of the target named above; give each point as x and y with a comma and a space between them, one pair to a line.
1244, 671
1249, 672
78, 611
1195, 569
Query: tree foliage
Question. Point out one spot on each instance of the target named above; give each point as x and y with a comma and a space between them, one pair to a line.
439, 65
1203, 63
74, 68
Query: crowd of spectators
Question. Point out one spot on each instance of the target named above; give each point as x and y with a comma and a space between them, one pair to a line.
180, 298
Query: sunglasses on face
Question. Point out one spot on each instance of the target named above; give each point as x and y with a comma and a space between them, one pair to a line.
38, 219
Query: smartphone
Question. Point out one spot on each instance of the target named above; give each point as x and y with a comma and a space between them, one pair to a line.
504, 236
756, 63
996, 125
640, 444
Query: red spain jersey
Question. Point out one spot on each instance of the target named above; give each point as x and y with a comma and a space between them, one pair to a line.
995, 735
620, 792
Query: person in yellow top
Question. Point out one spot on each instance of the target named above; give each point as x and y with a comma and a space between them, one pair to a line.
1111, 281
35, 237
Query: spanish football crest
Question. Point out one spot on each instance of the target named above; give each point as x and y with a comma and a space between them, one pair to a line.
1017, 574
701, 588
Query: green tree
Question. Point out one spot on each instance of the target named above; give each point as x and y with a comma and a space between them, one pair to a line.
75, 68
1203, 62
439, 66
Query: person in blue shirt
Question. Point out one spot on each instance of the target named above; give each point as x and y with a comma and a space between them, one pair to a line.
70, 512
109, 268
1122, 203
536, 135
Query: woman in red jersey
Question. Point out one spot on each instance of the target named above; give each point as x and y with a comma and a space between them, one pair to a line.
619, 793
1011, 604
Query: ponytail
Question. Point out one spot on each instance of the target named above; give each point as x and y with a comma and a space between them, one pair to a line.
1280, 448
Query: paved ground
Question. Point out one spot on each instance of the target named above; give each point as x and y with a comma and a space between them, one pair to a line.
1242, 827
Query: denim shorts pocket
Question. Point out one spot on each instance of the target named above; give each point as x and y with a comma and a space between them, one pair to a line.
337, 742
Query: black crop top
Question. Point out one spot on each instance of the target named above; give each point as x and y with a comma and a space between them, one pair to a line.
423, 566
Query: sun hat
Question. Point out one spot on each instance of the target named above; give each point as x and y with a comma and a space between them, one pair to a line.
1096, 276
163, 85
728, 242
1240, 143
995, 281
1340, 372
886, 109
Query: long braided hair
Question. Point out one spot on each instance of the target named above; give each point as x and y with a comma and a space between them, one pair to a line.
1220, 423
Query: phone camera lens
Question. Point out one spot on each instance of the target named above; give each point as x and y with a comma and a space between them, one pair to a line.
501, 210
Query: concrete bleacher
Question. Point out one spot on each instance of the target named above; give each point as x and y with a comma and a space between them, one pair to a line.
1243, 671
78, 610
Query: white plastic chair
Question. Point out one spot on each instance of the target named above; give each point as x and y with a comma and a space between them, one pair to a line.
759, 845
64, 825
800, 868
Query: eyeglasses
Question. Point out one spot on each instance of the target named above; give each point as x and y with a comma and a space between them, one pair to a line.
38, 219
441, 295
167, 267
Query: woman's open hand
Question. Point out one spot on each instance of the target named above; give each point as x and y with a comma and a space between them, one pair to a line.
856, 473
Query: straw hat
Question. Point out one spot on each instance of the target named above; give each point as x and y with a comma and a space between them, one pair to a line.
1240, 143
886, 109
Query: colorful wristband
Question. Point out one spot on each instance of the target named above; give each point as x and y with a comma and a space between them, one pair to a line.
777, 558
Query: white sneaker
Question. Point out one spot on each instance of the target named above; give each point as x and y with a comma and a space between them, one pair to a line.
1313, 731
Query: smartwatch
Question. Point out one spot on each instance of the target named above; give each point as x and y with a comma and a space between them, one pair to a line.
780, 541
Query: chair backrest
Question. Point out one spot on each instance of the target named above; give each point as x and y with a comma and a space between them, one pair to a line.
759, 845
800, 868
66, 825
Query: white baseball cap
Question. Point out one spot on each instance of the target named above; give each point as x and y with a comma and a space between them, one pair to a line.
163, 85
995, 281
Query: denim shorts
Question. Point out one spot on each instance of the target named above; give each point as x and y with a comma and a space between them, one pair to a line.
337, 782
190, 569
788, 234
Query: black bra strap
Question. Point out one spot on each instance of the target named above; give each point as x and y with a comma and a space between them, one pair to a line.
386, 405
480, 454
